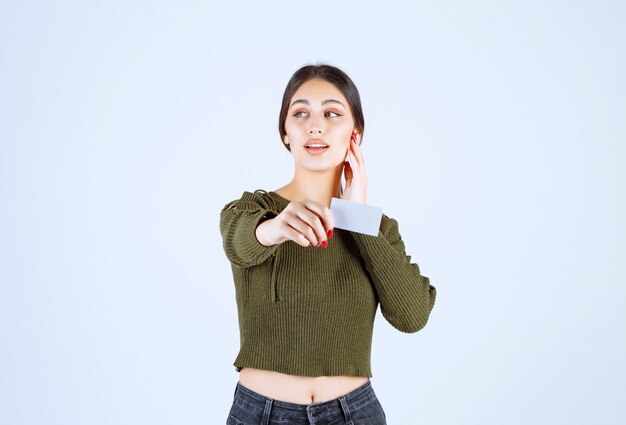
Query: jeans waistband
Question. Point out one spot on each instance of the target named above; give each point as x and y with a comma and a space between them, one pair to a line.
260, 404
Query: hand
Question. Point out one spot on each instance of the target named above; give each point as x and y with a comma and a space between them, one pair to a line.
307, 223
356, 178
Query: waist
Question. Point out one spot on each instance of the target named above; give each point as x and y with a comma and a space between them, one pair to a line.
298, 389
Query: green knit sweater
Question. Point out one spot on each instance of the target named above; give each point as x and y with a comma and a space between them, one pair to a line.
310, 310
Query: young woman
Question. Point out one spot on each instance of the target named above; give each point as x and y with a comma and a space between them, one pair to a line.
307, 293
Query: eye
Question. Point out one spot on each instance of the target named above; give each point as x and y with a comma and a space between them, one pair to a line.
297, 114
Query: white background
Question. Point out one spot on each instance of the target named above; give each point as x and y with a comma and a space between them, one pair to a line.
495, 134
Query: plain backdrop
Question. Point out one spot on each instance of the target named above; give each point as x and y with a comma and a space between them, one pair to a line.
495, 134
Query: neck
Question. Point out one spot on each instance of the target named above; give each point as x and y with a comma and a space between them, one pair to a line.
317, 186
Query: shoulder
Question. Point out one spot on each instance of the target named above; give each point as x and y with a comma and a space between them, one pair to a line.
250, 200
389, 226
388, 221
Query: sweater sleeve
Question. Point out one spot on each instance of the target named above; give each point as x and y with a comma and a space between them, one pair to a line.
238, 222
406, 297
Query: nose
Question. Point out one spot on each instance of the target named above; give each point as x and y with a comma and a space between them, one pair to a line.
316, 128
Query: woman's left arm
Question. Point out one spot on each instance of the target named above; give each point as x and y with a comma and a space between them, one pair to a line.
406, 297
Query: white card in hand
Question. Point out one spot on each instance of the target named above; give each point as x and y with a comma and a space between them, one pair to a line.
356, 217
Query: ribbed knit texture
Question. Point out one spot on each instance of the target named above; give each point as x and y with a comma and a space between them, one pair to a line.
310, 310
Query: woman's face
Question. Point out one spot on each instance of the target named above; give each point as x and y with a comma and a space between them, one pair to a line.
318, 110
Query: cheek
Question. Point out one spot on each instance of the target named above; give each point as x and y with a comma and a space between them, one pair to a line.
345, 137
292, 127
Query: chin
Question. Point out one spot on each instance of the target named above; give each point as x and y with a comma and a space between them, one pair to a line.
319, 165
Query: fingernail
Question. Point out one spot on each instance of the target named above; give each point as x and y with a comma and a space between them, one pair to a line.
330, 233
324, 243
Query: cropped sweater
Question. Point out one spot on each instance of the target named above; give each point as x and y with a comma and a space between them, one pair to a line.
310, 310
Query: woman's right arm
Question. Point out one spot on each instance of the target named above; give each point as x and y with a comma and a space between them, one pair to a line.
251, 232
238, 223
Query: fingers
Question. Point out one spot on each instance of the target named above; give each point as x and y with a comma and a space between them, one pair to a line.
308, 221
356, 154
308, 224
297, 235
355, 173
347, 171
323, 220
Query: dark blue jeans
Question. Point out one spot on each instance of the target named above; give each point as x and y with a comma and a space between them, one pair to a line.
359, 407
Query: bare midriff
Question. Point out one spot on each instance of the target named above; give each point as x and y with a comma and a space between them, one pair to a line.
298, 389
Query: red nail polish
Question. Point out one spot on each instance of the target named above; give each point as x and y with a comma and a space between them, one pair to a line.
330, 233
324, 243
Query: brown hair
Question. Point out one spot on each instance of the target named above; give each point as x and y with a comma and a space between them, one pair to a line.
334, 76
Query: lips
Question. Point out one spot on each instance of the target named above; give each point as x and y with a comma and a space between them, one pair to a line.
316, 147
316, 144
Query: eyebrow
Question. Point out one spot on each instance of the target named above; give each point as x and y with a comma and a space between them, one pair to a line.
306, 102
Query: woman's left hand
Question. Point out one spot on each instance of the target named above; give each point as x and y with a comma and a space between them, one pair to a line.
356, 178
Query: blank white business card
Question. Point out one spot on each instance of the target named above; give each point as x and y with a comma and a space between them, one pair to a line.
356, 217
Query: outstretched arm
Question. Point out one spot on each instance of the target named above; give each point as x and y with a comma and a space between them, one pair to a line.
238, 222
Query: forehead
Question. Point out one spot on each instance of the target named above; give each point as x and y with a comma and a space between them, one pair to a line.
318, 90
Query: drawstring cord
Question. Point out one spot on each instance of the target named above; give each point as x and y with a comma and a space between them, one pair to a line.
274, 277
